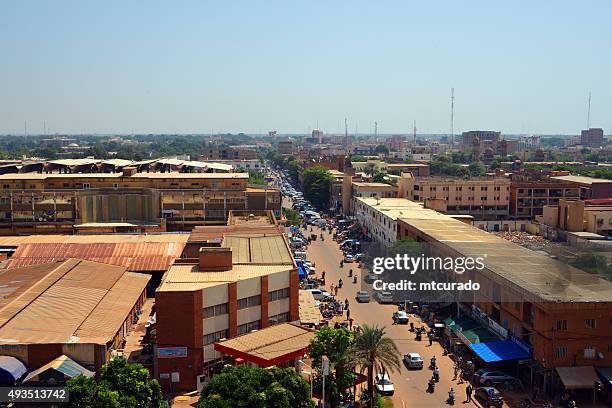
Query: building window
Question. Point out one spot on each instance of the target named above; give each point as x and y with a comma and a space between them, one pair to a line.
86, 186
562, 325
214, 337
279, 318
590, 323
216, 310
248, 327
560, 352
249, 302
278, 294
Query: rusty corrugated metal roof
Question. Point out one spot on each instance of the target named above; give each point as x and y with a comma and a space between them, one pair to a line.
74, 301
143, 256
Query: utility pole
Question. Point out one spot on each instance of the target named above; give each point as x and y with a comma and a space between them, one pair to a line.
376, 130
414, 129
452, 119
25, 128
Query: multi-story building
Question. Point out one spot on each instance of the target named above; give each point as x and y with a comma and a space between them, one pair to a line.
378, 216
474, 137
593, 216
529, 197
229, 153
125, 201
559, 314
246, 284
286, 147
590, 187
486, 198
592, 137
417, 169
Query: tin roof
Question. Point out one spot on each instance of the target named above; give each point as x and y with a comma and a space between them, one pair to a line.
259, 249
143, 256
270, 346
13, 241
74, 301
206, 233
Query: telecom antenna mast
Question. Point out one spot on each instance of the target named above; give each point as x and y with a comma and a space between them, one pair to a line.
376, 130
589, 112
452, 124
414, 133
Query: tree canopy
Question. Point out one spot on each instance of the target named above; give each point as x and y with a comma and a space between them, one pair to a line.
121, 385
252, 387
316, 184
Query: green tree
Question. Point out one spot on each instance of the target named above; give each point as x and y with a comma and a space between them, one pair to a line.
336, 345
292, 216
374, 351
358, 158
252, 387
316, 185
379, 176
120, 385
382, 149
477, 169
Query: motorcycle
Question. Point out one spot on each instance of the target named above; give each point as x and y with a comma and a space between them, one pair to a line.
432, 363
451, 399
431, 387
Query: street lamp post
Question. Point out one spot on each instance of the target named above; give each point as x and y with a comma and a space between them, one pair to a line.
310, 374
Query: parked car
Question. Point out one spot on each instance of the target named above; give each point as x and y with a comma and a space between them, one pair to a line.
488, 378
413, 360
400, 317
319, 294
349, 258
362, 296
371, 277
489, 396
384, 385
384, 297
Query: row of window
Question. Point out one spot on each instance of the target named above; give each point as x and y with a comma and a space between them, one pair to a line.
216, 336
588, 323
250, 301
248, 327
278, 294
589, 352
470, 188
216, 310
223, 308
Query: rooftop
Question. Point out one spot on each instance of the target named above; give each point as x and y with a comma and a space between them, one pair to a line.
582, 179
379, 185
253, 255
11, 241
73, 301
395, 208
270, 346
135, 256
535, 274
171, 175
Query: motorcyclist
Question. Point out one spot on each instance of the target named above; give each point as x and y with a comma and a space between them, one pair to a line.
451, 396
340, 283
431, 386
432, 362
436, 374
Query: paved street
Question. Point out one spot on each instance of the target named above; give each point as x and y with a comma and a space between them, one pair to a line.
410, 386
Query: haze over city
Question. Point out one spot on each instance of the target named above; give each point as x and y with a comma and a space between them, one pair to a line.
202, 67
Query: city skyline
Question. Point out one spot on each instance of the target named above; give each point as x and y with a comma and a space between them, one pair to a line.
208, 68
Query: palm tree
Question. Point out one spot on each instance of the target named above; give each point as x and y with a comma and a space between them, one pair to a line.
373, 351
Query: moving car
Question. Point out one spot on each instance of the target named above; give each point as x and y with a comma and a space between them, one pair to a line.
413, 360
384, 386
384, 297
488, 378
349, 258
362, 296
400, 317
489, 396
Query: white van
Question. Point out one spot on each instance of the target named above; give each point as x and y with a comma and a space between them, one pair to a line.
300, 255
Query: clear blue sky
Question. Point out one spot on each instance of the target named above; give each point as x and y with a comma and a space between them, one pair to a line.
231, 66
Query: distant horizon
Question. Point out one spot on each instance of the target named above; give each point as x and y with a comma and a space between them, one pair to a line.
200, 67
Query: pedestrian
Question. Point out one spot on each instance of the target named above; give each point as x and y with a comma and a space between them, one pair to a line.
332, 288
348, 313
336, 289
350, 323
430, 338
323, 275
455, 372
468, 392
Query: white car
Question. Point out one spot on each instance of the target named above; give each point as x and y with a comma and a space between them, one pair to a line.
371, 277
413, 360
384, 297
384, 385
319, 294
349, 258
400, 317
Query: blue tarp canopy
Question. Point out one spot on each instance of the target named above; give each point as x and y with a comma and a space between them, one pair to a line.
499, 350
11, 369
302, 272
